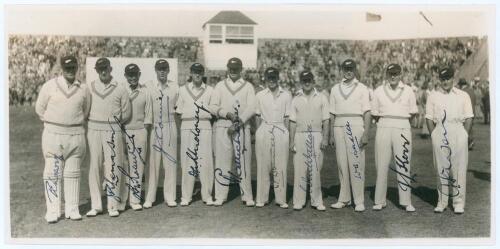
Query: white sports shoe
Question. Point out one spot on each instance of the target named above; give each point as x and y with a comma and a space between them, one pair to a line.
147, 204
93, 212
73, 216
210, 202
184, 203
359, 208
113, 213
259, 204
284, 205
250, 203
136, 206
218, 203
439, 209
296, 207
51, 218
459, 210
378, 207
340, 204
172, 204
321, 207
410, 208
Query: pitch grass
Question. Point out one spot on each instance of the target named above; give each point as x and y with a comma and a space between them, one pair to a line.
234, 220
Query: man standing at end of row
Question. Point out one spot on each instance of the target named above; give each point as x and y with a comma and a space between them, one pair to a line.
164, 93
449, 118
308, 138
196, 136
63, 105
110, 108
234, 101
350, 120
271, 139
393, 106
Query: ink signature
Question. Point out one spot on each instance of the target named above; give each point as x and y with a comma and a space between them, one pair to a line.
111, 184
445, 174
229, 179
310, 157
402, 163
158, 145
274, 180
237, 144
193, 153
134, 183
51, 185
234, 178
355, 150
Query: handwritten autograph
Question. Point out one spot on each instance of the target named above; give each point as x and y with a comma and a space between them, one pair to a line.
310, 156
158, 146
233, 178
275, 173
193, 153
355, 150
402, 163
51, 184
134, 183
445, 174
111, 184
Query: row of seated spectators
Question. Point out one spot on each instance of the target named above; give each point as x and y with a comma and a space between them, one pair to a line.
33, 59
419, 58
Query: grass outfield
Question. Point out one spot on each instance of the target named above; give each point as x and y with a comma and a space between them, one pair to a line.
234, 220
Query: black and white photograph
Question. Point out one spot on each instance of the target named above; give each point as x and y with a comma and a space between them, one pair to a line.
270, 124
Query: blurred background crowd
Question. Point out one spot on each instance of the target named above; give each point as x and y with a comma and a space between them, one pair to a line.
34, 59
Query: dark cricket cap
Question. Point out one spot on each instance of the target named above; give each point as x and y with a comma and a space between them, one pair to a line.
197, 68
68, 61
348, 65
393, 69
102, 63
306, 75
446, 73
234, 63
162, 64
132, 69
462, 81
271, 72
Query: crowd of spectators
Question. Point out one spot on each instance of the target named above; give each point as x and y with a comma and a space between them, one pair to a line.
419, 58
34, 59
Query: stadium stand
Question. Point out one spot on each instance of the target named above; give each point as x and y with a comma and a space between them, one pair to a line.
34, 59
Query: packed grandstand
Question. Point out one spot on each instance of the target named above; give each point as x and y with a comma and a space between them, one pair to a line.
34, 59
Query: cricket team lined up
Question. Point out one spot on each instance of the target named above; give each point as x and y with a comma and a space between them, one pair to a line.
131, 131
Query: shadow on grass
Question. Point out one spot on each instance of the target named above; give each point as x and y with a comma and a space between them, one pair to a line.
485, 176
424, 193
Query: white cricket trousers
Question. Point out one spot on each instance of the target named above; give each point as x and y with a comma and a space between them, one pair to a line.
63, 156
451, 155
393, 144
233, 152
307, 164
271, 148
197, 161
108, 147
137, 149
163, 152
350, 159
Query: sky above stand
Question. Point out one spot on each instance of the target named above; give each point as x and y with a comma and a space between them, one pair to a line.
274, 21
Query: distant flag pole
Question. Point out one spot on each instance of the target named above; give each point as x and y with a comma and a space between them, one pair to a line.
426, 19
